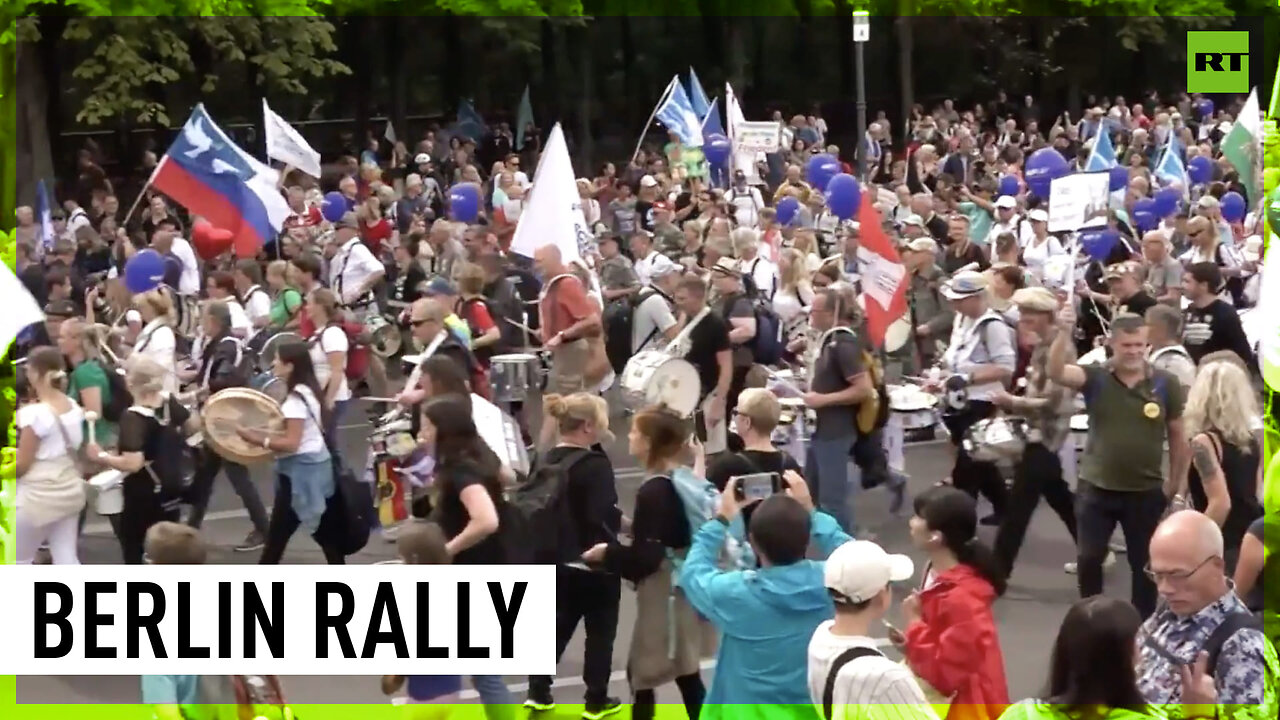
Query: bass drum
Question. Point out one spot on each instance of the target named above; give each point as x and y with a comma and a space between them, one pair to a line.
653, 377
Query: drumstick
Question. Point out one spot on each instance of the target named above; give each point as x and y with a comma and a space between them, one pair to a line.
91, 418
525, 328
379, 399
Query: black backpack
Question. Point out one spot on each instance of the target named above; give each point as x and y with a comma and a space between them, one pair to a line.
171, 482
246, 363
348, 513
536, 512
121, 399
619, 320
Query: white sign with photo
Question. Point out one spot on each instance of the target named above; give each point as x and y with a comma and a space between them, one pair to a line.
754, 137
1079, 201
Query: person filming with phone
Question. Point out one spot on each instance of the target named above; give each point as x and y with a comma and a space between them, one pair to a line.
765, 616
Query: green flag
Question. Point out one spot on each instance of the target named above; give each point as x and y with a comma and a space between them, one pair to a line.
524, 118
1242, 147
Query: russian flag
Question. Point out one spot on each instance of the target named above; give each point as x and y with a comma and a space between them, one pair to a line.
212, 177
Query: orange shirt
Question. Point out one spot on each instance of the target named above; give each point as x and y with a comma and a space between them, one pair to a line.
564, 305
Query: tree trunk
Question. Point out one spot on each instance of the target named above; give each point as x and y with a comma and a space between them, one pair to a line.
906, 49
737, 55
399, 71
844, 35
550, 70
586, 145
629, 85
34, 149
9, 186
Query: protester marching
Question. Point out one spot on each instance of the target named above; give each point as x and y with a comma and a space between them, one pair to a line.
686, 372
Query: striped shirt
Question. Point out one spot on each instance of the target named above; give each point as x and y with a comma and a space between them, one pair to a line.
868, 688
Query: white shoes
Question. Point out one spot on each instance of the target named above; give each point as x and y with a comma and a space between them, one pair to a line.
1072, 568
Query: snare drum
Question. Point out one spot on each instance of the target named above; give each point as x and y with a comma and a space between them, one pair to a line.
653, 377
511, 377
271, 345
270, 385
109, 485
996, 439
384, 336
915, 409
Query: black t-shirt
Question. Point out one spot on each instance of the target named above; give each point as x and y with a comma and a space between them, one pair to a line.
1254, 599
1212, 328
738, 306
453, 517
592, 496
732, 465
644, 214
405, 289
1139, 304
709, 337
157, 436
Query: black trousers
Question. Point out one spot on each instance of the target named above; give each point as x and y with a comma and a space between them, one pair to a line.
970, 475
592, 599
692, 692
284, 522
135, 519
1038, 474
1137, 513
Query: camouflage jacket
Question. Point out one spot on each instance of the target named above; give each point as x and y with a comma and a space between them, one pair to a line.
1247, 672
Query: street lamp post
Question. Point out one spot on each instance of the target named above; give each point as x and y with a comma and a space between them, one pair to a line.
861, 34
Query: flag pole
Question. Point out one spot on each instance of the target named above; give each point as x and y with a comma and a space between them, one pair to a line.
643, 131
142, 193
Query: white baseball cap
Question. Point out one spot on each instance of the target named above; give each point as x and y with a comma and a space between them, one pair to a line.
1038, 215
648, 181
1006, 202
859, 570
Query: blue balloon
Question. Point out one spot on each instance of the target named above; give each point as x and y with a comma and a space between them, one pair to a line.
464, 203
716, 148
144, 272
843, 196
1043, 167
1204, 106
1119, 177
335, 205
1233, 207
1200, 169
787, 209
821, 169
1145, 216
1098, 244
1167, 201
1010, 186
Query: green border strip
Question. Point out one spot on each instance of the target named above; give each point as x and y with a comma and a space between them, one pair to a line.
12, 9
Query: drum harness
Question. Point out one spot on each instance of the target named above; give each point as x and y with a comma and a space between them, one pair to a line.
364, 300
962, 347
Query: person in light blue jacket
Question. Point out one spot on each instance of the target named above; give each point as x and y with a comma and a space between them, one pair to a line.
765, 616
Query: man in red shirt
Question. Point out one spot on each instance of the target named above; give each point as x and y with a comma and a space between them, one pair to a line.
568, 318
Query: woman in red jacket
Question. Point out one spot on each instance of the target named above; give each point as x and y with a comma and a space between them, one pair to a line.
951, 641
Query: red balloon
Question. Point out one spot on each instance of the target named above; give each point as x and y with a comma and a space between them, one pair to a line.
209, 242
246, 246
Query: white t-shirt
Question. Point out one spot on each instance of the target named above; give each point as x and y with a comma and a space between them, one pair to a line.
332, 339
764, 273
240, 325
867, 688
653, 317
158, 342
354, 264
746, 205
303, 405
257, 304
1034, 256
42, 421
189, 281
644, 266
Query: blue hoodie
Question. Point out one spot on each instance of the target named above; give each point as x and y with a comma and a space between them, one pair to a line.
766, 618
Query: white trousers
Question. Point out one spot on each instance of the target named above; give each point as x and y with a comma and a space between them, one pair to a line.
62, 536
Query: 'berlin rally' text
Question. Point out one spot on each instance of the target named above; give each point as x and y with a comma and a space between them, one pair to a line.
265, 618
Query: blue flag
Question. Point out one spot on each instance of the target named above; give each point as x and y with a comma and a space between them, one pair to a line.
677, 115
711, 122
469, 123
44, 215
1103, 155
1170, 169
697, 96
524, 118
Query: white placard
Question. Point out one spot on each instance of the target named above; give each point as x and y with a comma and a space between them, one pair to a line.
279, 620
754, 136
1079, 201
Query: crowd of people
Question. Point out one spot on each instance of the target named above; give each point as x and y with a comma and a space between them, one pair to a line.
1008, 326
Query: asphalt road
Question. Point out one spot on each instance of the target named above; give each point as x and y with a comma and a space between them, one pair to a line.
1028, 616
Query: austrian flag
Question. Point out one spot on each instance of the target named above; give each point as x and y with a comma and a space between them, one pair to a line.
884, 278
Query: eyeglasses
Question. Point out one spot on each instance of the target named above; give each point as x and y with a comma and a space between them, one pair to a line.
1176, 576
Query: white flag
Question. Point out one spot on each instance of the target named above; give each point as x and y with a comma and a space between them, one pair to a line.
287, 145
744, 161
390, 133
22, 309
553, 214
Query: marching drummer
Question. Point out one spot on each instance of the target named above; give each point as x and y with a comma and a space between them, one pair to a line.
981, 357
568, 317
1047, 407
928, 311
255, 299
427, 322
220, 369
353, 274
